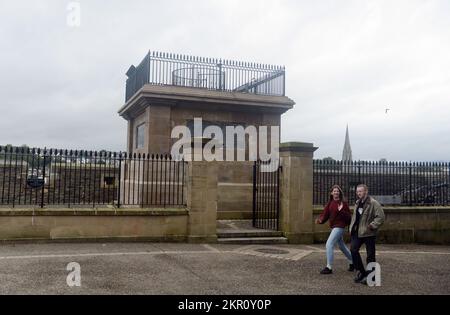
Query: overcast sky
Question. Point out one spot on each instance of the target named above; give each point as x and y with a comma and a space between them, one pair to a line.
347, 61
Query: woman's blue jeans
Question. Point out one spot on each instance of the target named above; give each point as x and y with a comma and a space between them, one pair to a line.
336, 236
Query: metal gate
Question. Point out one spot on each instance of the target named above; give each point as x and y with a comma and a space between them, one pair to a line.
266, 196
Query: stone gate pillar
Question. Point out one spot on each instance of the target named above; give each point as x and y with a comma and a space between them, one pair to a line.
202, 201
296, 191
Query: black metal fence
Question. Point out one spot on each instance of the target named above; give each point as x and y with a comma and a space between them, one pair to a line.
41, 178
161, 68
393, 183
266, 197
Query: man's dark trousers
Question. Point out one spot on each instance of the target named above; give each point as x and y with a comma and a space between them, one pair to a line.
356, 243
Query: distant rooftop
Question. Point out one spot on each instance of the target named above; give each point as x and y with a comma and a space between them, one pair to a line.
159, 68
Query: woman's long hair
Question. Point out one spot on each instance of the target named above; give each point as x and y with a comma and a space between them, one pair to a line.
341, 193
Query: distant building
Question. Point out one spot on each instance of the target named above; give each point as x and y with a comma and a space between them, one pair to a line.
347, 152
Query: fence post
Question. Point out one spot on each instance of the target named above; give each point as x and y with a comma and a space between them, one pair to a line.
254, 192
43, 178
120, 180
296, 189
220, 76
359, 172
410, 184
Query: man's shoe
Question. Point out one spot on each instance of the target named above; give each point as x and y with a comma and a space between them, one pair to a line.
351, 267
326, 271
359, 277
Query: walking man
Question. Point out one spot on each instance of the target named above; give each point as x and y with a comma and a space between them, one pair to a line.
366, 220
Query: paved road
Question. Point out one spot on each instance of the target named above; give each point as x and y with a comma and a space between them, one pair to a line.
143, 268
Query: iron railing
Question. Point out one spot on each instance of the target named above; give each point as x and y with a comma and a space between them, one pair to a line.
393, 183
160, 68
266, 197
41, 177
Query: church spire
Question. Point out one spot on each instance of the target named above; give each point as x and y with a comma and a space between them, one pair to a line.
347, 152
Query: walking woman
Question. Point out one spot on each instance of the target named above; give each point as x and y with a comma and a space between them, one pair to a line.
338, 214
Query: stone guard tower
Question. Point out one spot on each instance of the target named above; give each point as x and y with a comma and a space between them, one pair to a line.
168, 90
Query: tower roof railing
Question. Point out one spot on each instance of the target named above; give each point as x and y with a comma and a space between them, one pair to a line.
160, 68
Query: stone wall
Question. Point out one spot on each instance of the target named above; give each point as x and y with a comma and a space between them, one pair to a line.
404, 225
96, 225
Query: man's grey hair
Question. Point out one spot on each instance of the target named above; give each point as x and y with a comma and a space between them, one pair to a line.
363, 186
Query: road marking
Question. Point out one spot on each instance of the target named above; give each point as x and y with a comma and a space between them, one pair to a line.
412, 252
301, 255
245, 250
316, 249
213, 249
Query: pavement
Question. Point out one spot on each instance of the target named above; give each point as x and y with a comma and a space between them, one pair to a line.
199, 269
